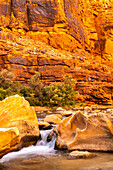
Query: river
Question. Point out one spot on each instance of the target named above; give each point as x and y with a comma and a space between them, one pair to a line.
43, 156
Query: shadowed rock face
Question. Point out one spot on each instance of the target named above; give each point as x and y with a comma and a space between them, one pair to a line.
91, 133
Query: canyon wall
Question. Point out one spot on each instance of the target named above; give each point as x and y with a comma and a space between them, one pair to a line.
64, 24
60, 37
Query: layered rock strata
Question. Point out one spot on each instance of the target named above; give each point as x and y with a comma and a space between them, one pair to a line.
24, 56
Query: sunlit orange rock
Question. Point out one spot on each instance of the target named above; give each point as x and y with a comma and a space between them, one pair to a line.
9, 140
67, 24
78, 132
55, 119
59, 18
15, 111
5, 12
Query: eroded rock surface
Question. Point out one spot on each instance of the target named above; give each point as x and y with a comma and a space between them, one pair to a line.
78, 132
15, 111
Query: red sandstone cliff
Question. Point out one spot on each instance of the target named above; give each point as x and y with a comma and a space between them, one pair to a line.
60, 37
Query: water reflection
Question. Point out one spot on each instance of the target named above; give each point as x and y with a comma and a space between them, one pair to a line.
60, 162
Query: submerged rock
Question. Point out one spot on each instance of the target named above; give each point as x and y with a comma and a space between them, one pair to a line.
15, 111
78, 132
81, 154
9, 139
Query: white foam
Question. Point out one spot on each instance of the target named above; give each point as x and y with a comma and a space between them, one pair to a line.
41, 148
29, 151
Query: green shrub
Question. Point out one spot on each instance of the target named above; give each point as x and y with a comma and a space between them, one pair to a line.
55, 94
16, 87
59, 93
5, 93
33, 101
37, 85
26, 91
35, 81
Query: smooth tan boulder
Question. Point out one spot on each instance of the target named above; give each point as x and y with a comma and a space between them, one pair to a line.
9, 140
81, 154
86, 133
66, 130
15, 111
55, 119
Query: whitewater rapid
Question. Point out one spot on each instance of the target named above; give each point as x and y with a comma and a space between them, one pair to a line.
41, 148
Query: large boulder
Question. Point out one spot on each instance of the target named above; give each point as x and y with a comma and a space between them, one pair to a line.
66, 130
9, 140
15, 111
78, 132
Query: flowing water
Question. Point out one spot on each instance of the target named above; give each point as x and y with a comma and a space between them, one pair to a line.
43, 156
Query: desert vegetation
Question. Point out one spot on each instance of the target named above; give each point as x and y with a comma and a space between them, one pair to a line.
36, 92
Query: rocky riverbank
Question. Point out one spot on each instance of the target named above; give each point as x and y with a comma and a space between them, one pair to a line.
84, 129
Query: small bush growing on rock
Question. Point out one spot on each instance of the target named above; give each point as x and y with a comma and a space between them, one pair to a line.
6, 78
5, 93
26, 91
35, 81
37, 85
33, 101
59, 93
